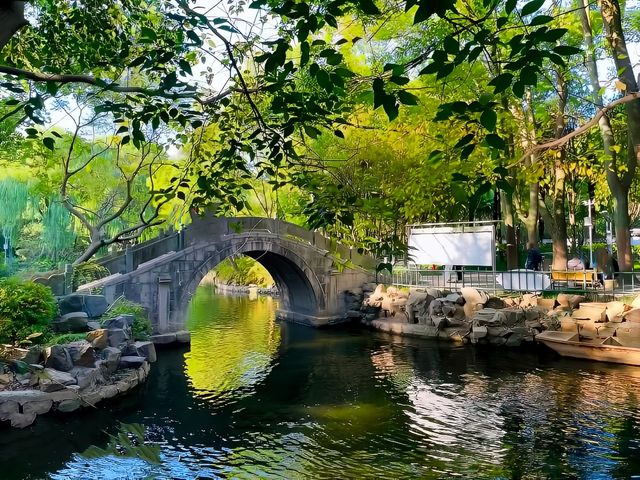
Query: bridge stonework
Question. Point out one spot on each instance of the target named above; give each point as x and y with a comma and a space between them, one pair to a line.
163, 274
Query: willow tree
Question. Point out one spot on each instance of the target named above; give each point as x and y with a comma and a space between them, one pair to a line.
14, 199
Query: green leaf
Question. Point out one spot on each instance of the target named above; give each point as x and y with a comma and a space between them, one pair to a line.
324, 80
467, 151
464, 140
540, 20
567, 50
399, 80
407, 98
518, 89
501, 82
529, 75
554, 34
510, 6
451, 45
495, 141
49, 142
378, 92
313, 132
488, 119
531, 7
390, 107
368, 7
338, 133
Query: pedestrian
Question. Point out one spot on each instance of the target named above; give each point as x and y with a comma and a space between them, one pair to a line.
534, 257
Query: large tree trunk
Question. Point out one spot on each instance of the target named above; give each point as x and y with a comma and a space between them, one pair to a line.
510, 230
11, 20
559, 224
618, 184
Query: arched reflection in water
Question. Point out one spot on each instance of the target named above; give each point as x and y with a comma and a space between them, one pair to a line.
262, 399
232, 346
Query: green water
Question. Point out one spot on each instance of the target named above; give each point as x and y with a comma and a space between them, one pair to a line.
254, 398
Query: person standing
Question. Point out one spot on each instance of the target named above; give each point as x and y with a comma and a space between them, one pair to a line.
534, 257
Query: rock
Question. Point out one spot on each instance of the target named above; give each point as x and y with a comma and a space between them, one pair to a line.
498, 331
108, 391
121, 321
22, 397
354, 314
71, 322
165, 338
568, 324
69, 405
514, 340
455, 298
532, 314
94, 325
6, 378
495, 303
489, 317
474, 296
87, 377
628, 331
547, 304
513, 316
183, 336
99, 338
117, 337
470, 309
592, 311
418, 305
434, 292
570, 301
131, 362
615, 311
478, 332
146, 350
110, 359
31, 355
368, 287
631, 316
58, 357
93, 305
435, 307
636, 302
529, 300
11, 409
439, 321
64, 394
82, 353
54, 380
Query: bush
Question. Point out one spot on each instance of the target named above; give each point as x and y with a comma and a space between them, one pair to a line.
66, 338
26, 308
141, 328
87, 272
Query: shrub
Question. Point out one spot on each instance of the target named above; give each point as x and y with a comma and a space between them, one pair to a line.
87, 272
66, 338
26, 308
141, 328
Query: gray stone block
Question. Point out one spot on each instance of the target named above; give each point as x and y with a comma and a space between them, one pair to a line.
163, 338
93, 305
111, 359
131, 362
71, 322
146, 350
183, 336
82, 354
87, 377
121, 321
117, 337
58, 357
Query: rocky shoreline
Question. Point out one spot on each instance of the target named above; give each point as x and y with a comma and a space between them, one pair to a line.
472, 316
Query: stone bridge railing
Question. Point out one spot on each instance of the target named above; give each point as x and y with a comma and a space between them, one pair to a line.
133, 256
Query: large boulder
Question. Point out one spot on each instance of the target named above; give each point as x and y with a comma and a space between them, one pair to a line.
82, 353
570, 301
58, 357
87, 377
110, 359
474, 296
99, 338
164, 338
418, 305
124, 322
21, 407
146, 350
53, 380
72, 322
93, 305
615, 310
117, 337
130, 361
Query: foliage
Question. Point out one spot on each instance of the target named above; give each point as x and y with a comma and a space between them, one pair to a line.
66, 338
242, 271
141, 328
87, 272
26, 308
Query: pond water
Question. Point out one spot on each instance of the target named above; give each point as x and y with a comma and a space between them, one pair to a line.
255, 398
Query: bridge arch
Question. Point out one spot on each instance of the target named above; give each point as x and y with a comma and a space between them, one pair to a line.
301, 291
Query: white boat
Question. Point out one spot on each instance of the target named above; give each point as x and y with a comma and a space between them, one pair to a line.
572, 344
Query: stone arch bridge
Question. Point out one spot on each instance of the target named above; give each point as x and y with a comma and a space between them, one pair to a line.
309, 270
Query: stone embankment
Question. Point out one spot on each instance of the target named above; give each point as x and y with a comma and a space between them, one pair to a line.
245, 289
469, 315
63, 378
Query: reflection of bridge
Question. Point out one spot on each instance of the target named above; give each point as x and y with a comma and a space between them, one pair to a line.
162, 274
